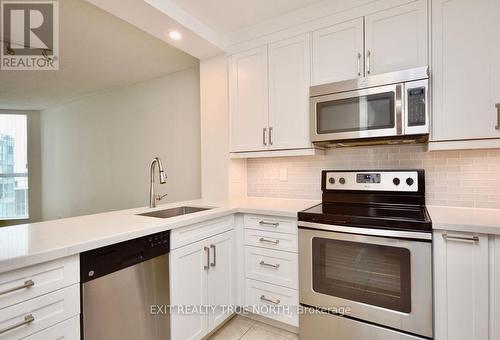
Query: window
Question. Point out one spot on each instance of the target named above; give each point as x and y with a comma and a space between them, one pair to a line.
13, 167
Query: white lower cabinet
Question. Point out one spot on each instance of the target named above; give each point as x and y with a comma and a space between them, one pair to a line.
31, 316
461, 286
271, 267
272, 301
38, 302
495, 287
66, 330
203, 274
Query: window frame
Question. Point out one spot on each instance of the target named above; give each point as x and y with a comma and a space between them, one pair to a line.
6, 220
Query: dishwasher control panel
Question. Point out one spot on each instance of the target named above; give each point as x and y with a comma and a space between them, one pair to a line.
102, 261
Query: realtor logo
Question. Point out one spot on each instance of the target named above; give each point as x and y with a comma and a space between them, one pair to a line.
29, 35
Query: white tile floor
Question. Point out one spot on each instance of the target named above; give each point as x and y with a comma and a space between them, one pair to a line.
243, 328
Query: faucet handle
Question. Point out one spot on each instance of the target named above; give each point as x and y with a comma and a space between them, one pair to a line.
160, 197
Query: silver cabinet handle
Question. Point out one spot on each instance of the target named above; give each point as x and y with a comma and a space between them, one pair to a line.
269, 241
213, 264
262, 263
368, 67
498, 116
270, 136
264, 132
27, 284
359, 64
474, 238
271, 224
27, 320
207, 266
275, 302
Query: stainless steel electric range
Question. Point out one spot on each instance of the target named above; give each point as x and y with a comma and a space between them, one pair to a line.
365, 257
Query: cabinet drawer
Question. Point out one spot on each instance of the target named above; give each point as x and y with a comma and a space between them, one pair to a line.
272, 301
66, 330
199, 231
271, 240
27, 283
46, 310
270, 223
276, 267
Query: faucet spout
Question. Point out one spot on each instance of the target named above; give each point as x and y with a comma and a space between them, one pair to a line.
163, 180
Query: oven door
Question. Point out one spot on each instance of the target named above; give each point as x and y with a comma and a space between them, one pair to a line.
367, 113
383, 280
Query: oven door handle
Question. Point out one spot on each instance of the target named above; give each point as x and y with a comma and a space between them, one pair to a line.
423, 236
399, 105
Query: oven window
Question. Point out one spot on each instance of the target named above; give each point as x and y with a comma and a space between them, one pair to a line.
372, 274
370, 112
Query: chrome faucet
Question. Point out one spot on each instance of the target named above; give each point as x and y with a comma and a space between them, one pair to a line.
152, 196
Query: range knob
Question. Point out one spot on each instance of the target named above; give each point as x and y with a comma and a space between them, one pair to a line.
342, 180
409, 181
331, 180
396, 181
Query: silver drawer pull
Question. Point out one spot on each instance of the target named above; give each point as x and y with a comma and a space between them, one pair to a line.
207, 250
27, 284
474, 238
269, 241
275, 302
262, 263
27, 320
271, 224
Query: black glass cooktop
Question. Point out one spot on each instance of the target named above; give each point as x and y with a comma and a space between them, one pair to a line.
397, 217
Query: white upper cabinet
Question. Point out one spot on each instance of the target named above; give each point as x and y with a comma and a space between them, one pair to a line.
338, 52
396, 39
249, 100
465, 69
269, 96
289, 81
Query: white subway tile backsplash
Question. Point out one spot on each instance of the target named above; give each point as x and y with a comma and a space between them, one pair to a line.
468, 178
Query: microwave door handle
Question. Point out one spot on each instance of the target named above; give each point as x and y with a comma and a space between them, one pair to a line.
399, 106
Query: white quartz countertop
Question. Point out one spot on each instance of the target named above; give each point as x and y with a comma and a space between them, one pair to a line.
475, 220
28, 244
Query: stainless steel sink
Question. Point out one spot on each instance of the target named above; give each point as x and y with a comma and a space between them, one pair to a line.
172, 212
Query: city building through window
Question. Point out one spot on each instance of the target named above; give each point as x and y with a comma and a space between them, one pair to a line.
13, 167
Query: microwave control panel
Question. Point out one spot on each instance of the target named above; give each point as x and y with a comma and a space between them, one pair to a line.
416, 106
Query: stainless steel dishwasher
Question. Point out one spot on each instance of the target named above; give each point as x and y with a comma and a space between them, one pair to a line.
122, 286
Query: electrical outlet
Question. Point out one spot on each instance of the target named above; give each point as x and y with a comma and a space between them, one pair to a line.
283, 175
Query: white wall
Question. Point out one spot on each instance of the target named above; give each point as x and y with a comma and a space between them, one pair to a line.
222, 177
96, 151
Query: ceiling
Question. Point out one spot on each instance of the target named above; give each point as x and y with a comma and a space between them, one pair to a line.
98, 52
225, 16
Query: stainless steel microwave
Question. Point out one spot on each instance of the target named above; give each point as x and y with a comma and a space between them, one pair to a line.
390, 105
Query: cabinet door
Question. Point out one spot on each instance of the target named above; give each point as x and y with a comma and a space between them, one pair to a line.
249, 100
397, 39
221, 277
289, 81
338, 52
188, 287
465, 69
495, 287
461, 286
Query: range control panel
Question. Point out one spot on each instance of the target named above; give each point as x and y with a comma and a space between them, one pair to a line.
400, 181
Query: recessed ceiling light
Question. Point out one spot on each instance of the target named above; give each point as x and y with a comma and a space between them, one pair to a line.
174, 35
